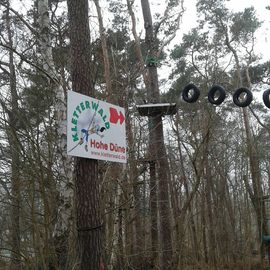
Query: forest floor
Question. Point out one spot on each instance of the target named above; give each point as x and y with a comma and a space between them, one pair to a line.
253, 264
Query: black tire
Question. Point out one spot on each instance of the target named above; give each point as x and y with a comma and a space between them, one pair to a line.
266, 98
195, 95
246, 101
212, 92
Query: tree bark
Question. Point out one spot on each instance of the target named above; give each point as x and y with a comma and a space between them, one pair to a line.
15, 157
208, 194
134, 181
106, 62
157, 150
153, 214
256, 197
86, 170
64, 213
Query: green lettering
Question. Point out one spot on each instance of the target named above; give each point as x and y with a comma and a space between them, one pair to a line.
78, 109
75, 114
107, 125
104, 118
100, 112
74, 121
82, 106
74, 129
87, 104
75, 137
94, 106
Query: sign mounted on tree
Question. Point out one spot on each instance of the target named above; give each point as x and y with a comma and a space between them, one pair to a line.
95, 129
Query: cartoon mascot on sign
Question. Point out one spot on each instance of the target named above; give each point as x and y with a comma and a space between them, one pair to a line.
94, 129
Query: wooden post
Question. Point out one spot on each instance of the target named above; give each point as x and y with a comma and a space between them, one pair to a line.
87, 191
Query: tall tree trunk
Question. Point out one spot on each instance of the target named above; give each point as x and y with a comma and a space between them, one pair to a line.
256, 197
134, 181
208, 194
203, 217
63, 223
153, 214
138, 49
156, 137
188, 194
86, 170
15, 156
114, 169
106, 62
256, 174
152, 165
257, 194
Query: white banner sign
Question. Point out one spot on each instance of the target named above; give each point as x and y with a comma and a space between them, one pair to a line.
95, 129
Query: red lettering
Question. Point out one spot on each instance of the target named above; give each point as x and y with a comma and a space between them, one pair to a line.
98, 145
116, 148
92, 143
111, 146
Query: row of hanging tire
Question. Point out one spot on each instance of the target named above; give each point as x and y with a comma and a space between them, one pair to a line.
217, 95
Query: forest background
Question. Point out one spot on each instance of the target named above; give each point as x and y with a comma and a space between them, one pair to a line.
194, 193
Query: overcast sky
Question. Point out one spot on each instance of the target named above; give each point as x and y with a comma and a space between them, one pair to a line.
263, 39
189, 18
189, 21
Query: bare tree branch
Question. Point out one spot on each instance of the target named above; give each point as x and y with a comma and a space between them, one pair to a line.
20, 16
23, 58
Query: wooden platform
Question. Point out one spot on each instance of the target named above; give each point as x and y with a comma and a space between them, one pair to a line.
154, 109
